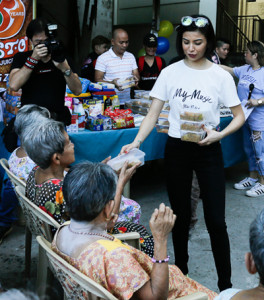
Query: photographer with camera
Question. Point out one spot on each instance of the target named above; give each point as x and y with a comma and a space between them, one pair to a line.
44, 72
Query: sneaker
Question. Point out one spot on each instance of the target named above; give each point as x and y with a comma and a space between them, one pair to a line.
246, 183
255, 191
4, 231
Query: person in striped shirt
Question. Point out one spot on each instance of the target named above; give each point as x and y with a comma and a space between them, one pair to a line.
117, 64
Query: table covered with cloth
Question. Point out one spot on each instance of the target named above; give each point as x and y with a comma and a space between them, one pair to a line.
97, 145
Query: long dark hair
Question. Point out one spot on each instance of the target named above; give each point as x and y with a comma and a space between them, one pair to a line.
207, 31
257, 47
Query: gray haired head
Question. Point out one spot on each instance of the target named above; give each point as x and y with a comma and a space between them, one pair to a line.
28, 115
87, 188
256, 241
43, 140
15, 294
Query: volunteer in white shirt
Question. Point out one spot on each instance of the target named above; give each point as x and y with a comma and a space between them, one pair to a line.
195, 84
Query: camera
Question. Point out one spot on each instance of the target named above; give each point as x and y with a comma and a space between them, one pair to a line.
54, 46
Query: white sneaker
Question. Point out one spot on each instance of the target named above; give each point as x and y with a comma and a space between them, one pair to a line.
255, 191
246, 183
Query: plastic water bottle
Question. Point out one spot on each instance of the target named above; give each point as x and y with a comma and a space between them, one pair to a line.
116, 102
81, 117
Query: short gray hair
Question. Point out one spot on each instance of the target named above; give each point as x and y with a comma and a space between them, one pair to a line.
43, 140
87, 188
15, 294
256, 241
28, 115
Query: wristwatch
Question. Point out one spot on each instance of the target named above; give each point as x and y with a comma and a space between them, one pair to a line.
260, 102
67, 73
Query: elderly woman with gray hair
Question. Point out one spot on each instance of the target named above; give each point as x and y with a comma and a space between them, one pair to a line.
254, 261
89, 191
50, 148
20, 164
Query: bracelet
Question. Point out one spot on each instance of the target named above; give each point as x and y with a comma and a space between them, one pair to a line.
140, 142
161, 260
31, 63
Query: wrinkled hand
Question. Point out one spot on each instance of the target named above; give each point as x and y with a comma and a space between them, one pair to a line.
116, 84
128, 147
162, 222
212, 137
40, 52
112, 221
127, 173
251, 103
106, 160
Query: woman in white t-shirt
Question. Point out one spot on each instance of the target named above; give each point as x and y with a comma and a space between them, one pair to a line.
195, 87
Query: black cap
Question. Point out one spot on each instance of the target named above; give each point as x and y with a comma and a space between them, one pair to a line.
150, 40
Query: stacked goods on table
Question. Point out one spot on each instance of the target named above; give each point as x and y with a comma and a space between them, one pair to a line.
12, 103
191, 126
98, 109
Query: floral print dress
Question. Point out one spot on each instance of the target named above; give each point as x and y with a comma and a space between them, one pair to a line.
122, 269
47, 196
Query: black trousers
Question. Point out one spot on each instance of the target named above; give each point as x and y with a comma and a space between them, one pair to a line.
181, 158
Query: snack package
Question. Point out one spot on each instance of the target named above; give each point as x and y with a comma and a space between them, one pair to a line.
95, 87
121, 118
133, 157
93, 106
107, 86
162, 128
95, 123
107, 122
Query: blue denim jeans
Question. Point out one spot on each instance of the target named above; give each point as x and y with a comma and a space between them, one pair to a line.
8, 204
254, 149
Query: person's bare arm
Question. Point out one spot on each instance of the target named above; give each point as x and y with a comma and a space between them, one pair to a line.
228, 69
73, 80
161, 224
136, 76
18, 77
146, 126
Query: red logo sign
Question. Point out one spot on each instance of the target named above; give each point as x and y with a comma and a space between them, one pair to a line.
12, 16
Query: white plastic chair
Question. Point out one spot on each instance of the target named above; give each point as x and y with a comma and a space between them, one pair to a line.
38, 222
76, 285
14, 179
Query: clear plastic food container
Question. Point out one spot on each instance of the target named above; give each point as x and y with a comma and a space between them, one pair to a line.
191, 116
133, 157
192, 136
163, 121
162, 128
191, 126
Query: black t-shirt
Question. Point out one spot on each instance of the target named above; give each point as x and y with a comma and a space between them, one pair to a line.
45, 87
149, 75
88, 66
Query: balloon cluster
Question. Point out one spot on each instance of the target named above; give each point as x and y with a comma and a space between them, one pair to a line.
166, 29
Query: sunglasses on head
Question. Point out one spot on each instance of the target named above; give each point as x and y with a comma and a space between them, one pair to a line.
199, 21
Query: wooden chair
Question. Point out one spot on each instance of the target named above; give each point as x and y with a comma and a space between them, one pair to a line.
38, 222
76, 285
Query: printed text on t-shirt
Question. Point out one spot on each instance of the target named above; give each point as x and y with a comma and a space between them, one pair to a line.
194, 95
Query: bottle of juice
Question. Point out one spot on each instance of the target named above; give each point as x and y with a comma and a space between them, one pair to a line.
81, 117
116, 102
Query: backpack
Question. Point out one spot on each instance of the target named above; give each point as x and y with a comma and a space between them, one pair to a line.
9, 136
141, 61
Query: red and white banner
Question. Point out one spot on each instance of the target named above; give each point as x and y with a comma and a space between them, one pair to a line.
15, 16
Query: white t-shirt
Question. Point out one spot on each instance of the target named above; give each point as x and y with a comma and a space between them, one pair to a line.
194, 90
115, 67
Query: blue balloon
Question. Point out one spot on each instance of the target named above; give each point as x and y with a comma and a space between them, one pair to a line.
163, 45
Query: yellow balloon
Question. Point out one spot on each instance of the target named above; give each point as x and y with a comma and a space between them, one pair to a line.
141, 52
166, 28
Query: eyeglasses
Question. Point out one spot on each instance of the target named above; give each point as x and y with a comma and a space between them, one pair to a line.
199, 22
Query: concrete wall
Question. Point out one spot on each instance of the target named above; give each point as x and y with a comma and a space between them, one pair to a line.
209, 8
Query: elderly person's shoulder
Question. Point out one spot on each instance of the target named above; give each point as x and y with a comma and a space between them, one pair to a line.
227, 294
